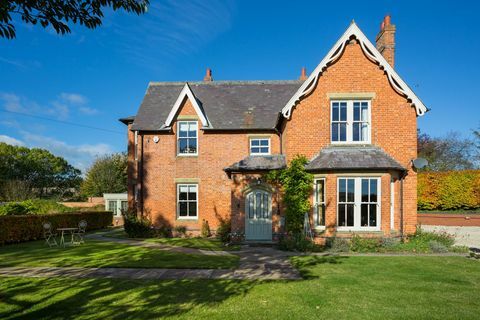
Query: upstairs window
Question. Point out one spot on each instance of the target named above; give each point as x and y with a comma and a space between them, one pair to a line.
350, 122
260, 146
187, 138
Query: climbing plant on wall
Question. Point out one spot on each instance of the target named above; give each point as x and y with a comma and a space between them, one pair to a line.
296, 184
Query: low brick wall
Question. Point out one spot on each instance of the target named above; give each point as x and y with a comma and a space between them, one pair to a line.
445, 219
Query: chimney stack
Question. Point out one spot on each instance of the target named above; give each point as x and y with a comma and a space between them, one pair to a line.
208, 75
303, 74
386, 40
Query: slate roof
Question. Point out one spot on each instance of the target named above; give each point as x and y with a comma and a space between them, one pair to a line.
127, 120
228, 105
258, 163
353, 158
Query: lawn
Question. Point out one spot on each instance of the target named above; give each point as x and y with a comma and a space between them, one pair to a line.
106, 254
196, 243
334, 287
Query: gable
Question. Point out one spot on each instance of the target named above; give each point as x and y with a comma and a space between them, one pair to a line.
186, 93
370, 51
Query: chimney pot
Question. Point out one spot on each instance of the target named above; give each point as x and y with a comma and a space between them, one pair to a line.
208, 75
303, 74
387, 20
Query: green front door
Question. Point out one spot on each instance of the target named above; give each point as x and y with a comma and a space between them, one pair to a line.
258, 216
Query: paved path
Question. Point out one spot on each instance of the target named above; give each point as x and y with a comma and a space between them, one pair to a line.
464, 236
255, 264
145, 244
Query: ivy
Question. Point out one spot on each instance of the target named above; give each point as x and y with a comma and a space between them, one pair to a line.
296, 184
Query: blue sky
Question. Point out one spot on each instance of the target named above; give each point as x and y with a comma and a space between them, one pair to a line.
94, 77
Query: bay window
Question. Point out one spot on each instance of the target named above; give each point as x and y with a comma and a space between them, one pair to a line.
358, 203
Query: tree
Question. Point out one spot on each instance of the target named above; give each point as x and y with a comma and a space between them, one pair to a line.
35, 172
107, 174
58, 13
297, 184
451, 152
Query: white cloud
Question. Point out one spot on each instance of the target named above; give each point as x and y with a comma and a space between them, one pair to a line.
59, 108
88, 111
73, 98
80, 156
10, 140
173, 27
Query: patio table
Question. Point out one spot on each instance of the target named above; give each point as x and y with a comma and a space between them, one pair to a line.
62, 236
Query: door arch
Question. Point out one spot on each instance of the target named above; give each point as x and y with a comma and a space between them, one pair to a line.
258, 215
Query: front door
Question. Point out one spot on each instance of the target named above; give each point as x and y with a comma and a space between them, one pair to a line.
258, 216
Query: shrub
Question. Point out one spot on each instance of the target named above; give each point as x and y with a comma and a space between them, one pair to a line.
18, 228
297, 242
137, 227
443, 238
450, 190
224, 231
437, 247
205, 229
180, 231
359, 244
18, 208
338, 244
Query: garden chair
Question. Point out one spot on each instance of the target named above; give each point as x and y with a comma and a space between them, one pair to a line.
82, 227
49, 235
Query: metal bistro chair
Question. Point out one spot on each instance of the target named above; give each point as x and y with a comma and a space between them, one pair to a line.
82, 227
49, 235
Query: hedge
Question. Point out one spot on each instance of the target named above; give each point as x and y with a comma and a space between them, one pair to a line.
450, 190
30, 227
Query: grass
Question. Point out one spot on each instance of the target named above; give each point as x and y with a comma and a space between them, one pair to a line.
106, 254
196, 243
334, 287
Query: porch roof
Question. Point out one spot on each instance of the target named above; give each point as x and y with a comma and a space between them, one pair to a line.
258, 163
353, 158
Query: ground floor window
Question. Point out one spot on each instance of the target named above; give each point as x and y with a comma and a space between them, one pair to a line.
359, 203
319, 203
112, 206
187, 201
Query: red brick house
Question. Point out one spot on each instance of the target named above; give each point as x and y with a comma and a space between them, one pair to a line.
197, 150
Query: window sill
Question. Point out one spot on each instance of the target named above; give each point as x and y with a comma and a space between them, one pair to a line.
187, 219
350, 143
345, 231
187, 155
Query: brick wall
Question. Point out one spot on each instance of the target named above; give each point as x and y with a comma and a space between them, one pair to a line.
393, 128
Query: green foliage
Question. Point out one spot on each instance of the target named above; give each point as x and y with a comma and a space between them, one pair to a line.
137, 227
297, 242
224, 230
451, 190
338, 244
360, 244
180, 231
107, 174
35, 171
34, 206
15, 228
297, 184
205, 229
18, 208
58, 14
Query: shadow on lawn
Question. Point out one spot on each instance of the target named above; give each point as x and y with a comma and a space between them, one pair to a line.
304, 264
112, 298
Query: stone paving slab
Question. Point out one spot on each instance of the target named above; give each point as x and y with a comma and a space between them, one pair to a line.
149, 274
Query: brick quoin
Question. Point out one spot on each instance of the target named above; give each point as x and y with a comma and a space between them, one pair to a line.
393, 128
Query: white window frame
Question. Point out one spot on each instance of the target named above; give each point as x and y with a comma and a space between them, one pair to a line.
178, 201
316, 203
358, 202
178, 138
392, 204
259, 146
350, 121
